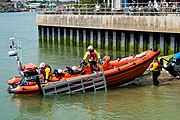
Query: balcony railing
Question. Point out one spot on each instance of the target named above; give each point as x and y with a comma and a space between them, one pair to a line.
140, 9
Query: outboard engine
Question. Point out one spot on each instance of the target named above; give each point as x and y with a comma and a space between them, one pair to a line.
173, 65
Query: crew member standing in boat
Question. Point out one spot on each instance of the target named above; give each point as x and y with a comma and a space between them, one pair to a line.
92, 56
45, 70
156, 69
41, 67
48, 72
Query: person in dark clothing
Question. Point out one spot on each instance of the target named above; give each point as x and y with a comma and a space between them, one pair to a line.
58, 73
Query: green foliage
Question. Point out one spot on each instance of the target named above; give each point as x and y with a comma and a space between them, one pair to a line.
2, 5
91, 1
95, 43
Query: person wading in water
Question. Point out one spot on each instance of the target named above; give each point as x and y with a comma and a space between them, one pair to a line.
156, 71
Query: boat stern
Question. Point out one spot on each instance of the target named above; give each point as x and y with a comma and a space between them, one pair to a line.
14, 79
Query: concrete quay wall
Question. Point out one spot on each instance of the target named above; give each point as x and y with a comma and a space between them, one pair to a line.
112, 32
163, 24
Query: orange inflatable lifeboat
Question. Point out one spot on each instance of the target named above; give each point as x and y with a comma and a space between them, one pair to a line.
117, 72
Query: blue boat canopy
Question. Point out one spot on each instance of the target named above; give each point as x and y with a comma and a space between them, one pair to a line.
177, 56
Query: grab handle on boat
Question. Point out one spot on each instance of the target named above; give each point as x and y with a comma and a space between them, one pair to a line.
118, 68
119, 59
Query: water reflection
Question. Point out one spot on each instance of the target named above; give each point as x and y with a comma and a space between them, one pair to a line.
86, 106
62, 55
33, 107
117, 103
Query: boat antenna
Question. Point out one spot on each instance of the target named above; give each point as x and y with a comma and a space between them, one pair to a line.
14, 52
20, 49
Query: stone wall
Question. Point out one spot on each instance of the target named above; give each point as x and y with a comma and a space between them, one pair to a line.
166, 24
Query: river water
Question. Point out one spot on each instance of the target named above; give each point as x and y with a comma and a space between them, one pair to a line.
135, 102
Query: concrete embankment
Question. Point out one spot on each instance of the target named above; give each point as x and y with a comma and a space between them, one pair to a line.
169, 24
112, 32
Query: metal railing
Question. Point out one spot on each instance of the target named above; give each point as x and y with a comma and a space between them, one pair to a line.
140, 9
